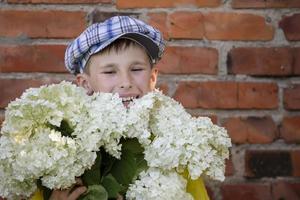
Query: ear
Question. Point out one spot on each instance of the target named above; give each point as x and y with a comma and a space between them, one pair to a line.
82, 80
153, 78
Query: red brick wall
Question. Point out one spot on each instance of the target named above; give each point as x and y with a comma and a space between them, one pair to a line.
237, 61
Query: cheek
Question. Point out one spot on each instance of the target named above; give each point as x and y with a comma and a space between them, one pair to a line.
103, 84
144, 81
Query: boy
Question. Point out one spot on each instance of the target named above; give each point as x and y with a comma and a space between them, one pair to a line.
116, 56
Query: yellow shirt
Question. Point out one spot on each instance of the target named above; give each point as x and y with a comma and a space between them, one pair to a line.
197, 189
38, 195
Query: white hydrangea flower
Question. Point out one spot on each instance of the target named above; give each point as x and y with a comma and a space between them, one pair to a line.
104, 125
10, 187
58, 127
138, 118
32, 146
156, 184
179, 140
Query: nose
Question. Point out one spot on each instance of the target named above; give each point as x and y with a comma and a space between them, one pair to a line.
126, 81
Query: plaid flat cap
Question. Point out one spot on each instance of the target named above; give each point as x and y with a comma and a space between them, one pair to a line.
98, 36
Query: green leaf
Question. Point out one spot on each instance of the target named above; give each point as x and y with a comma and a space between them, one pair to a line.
107, 162
135, 147
65, 128
125, 169
141, 164
93, 175
132, 145
95, 192
111, 185
46, 193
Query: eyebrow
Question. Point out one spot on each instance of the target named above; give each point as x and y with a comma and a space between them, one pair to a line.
139, 62
109, 65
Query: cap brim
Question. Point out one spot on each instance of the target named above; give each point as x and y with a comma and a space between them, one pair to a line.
146, 42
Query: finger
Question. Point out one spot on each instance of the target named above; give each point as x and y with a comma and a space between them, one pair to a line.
119, 197
75, 185
68, 190
59, 194
77, 192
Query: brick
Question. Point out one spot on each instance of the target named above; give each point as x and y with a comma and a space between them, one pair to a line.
257, 95
213, 118
246, 191
290, 26
159, 21
290, 129
60, 1
41, 24
265, 3
186, 25
261, 61
286, 190
236, 26
100, 16
268, 163
291, 97
254, 130
210, 193
189, 60
13, 88
121, 4
296, 58
217, 26
32, 58
227, 95
296, 164
229, 168
207, 94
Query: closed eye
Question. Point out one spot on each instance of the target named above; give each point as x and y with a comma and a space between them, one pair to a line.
137, 69
108, 72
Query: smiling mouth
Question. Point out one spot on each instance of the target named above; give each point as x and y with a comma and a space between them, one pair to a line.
127, 100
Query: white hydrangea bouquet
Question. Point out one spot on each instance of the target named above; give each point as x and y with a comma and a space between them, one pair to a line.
55, 133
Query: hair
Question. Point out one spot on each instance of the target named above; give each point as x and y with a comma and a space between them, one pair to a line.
117, 46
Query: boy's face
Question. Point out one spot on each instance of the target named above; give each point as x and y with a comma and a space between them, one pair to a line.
126, 72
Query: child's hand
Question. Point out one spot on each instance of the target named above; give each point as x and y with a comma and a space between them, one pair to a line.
119, 197
69, 194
